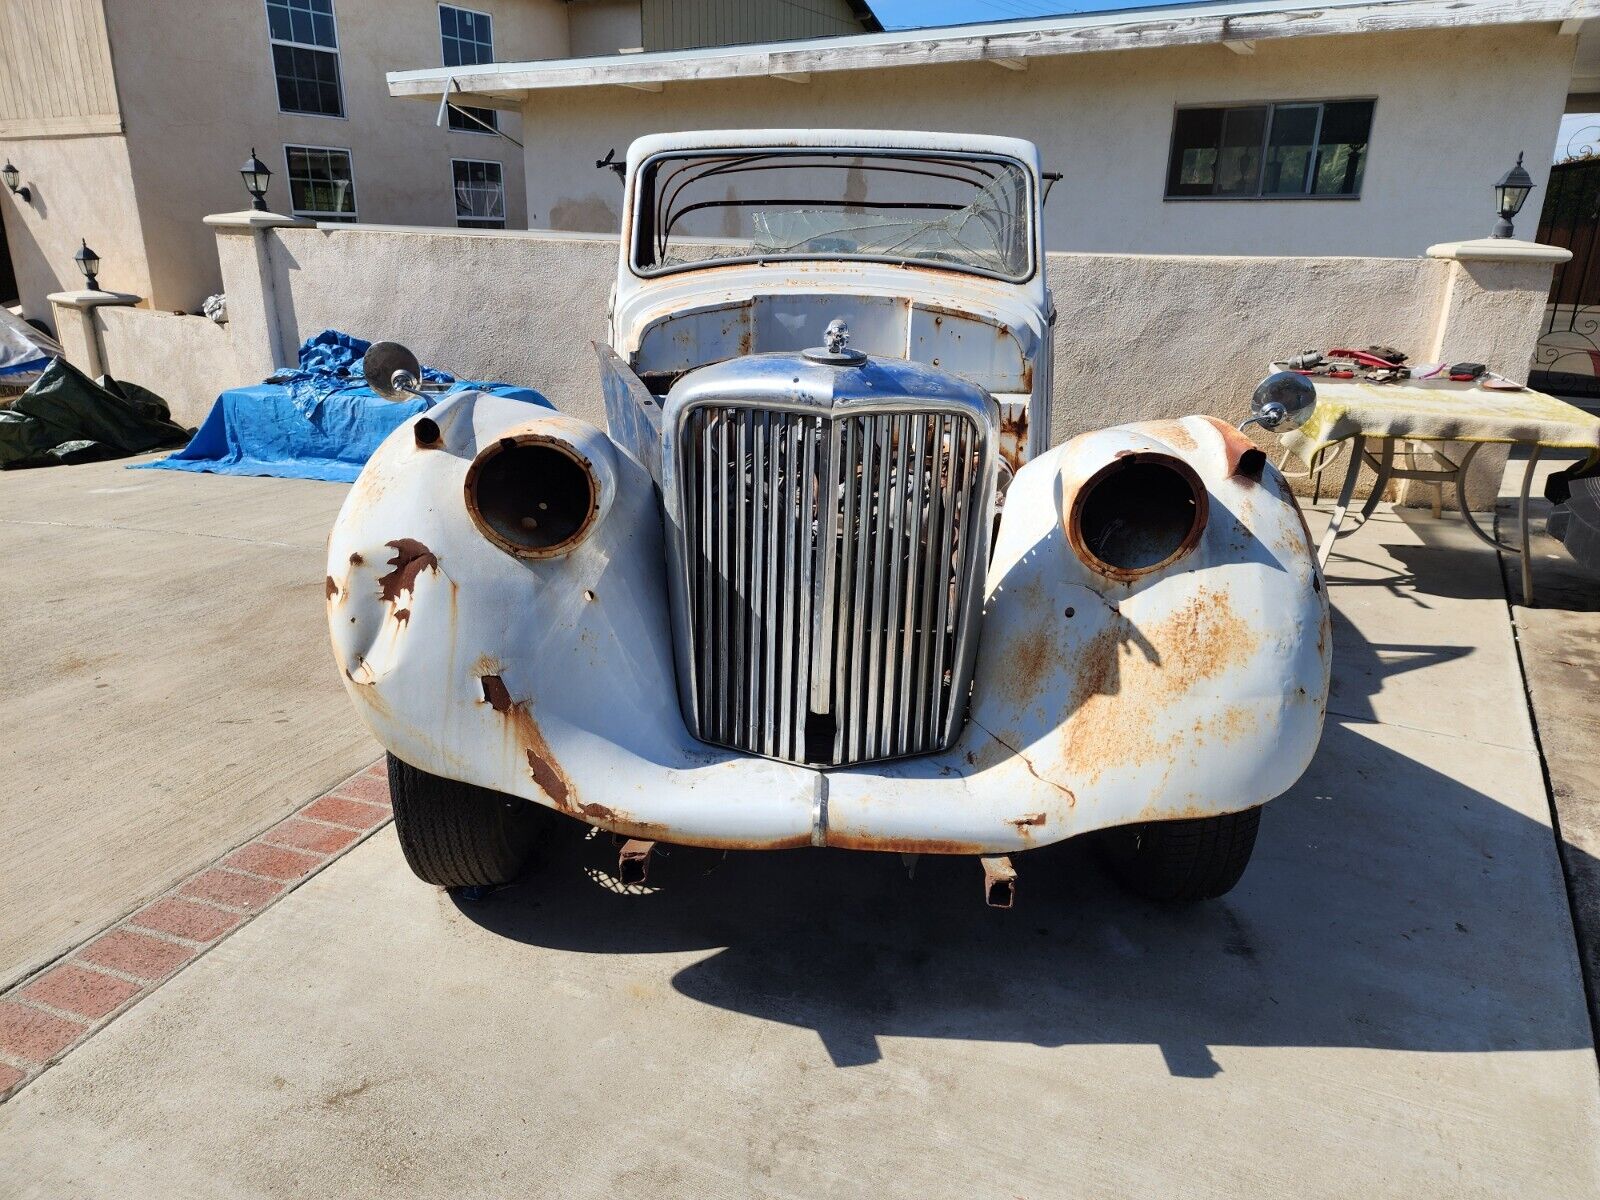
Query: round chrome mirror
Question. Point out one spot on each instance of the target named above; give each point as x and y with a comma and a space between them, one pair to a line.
392, 371
1283, 398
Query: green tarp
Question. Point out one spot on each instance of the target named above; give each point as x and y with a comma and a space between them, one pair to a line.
66, 417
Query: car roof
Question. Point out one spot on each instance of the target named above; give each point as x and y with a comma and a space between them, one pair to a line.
871, 139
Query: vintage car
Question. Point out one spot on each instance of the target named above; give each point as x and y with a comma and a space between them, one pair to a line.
823, 580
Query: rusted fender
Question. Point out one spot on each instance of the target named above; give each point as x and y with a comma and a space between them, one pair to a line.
549, 679
1197, 689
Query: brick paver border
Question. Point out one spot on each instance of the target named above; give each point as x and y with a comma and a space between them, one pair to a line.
61, 1006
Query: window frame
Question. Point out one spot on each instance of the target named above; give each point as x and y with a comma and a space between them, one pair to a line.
321, 216
480, 222
642, 216
1271, 106
337, 50
494, 117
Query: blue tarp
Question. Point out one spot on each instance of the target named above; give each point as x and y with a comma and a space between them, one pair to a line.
317, 422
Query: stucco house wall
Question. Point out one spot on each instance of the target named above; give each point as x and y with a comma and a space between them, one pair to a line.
61, 126
198, 91
1453, 108
129, 119
81, 190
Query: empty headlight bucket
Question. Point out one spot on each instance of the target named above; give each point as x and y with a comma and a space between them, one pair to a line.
1137, 514
534, 495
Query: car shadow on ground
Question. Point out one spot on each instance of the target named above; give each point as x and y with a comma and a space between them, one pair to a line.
1390, 905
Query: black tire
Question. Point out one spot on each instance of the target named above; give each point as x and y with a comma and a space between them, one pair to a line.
457, 835
1198, 859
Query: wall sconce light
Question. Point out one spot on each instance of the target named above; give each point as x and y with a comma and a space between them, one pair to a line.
89, 263
12, 176
256, 178
1509, 196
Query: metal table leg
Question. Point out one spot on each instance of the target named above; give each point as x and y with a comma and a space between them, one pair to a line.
1345, 492
1385, 469
1522, 527
1523, 551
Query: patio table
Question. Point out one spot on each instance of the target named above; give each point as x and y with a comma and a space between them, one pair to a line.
1434, 411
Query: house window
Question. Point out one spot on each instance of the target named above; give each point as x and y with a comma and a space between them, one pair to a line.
467, 39
321, 183
1284, 150
480, 194
305, 56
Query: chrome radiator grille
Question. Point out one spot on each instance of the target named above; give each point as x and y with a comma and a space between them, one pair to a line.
831, 568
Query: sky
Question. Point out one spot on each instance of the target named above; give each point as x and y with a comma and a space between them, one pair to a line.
1578, 130
910, 14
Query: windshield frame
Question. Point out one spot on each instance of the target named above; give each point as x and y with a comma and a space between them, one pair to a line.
643, 216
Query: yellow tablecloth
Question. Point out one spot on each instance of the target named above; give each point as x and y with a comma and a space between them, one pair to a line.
1439, 410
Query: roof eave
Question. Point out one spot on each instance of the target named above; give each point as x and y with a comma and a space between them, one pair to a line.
1173, 25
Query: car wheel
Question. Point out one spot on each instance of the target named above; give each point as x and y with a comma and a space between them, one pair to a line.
456, 834
1197, 859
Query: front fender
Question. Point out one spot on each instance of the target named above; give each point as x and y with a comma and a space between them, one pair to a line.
549, 679
1195, 690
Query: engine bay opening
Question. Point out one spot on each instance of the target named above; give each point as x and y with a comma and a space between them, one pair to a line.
533, 496
1136, 514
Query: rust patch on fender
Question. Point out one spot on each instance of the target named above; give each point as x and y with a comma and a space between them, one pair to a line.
1025, 825
402, 616
855, 841
1171, 432
411, 558
542, 765
547, 774
494, 691
1245, 459
356, 560
1127, 677
330, 588
1031, 662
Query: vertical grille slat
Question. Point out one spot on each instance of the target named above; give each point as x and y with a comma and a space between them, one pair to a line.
925, 688
828, 559
769, 738
856, 701
725, 509
753, 735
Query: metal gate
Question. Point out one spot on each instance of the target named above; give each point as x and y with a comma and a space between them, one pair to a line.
1567, 358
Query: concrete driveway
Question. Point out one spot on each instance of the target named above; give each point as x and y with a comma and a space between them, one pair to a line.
1388, 1005
167, 687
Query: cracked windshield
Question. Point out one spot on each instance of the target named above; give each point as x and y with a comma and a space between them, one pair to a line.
967, 213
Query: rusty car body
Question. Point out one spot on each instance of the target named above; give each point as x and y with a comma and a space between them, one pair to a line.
822, 580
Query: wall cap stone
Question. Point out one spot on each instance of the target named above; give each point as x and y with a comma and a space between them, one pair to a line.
1499, 250
252, 218
88, 299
